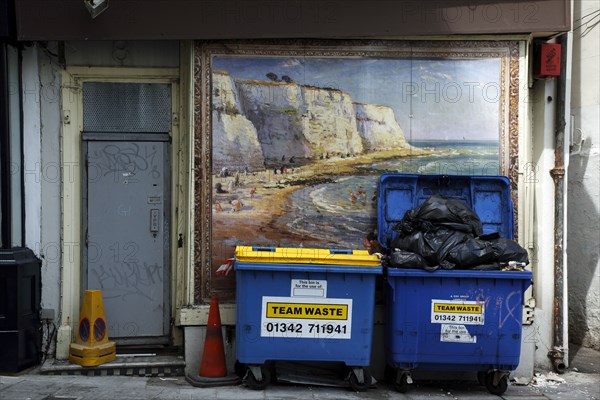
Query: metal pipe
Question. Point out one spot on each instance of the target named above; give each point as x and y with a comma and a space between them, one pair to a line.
557, 354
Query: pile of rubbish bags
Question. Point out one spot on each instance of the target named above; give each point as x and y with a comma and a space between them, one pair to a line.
444, 232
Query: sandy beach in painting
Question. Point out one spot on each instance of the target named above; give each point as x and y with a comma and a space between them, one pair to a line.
249, 212
330, 203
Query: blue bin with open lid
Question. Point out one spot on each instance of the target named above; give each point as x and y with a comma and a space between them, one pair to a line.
459, 319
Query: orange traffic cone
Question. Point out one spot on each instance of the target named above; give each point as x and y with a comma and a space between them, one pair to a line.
213, 369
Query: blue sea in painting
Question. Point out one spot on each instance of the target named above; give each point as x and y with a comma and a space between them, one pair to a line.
341, 213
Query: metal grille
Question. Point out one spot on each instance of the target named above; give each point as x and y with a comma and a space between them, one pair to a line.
126, 107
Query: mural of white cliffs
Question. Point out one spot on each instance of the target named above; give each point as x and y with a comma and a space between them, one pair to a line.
274, 109
288, 120
378, 127
299, 121
234, 138
329, 122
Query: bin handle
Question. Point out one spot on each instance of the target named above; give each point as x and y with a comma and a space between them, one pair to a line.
263, 248
340, 251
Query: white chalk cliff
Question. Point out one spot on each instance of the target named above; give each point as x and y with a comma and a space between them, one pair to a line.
258, 123
234, 138
378, 127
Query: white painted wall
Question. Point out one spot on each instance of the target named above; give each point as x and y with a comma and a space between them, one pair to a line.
32, 149
525, 370
51, 174
42, 174
542, 256
584, 179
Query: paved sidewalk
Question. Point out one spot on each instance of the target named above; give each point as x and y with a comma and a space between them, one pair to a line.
42, 387
577, 385
581, 382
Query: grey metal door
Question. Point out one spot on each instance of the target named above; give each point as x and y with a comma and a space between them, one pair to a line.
127, 235
126, 253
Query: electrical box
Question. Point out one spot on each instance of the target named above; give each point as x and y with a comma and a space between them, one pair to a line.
547, 60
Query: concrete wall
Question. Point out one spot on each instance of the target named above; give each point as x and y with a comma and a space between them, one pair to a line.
583, 180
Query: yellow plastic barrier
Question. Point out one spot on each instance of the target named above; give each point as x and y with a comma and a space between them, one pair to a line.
92, 347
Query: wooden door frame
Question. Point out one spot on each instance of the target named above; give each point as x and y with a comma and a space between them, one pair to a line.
71, 190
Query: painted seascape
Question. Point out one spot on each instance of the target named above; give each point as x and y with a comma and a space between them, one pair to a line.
299, 144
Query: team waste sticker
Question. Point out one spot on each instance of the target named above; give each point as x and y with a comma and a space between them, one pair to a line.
457, 312
310, 318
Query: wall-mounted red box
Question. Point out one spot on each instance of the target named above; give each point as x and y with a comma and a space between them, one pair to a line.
547, 60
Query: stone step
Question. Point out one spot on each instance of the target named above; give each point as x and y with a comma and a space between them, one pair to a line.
126, 365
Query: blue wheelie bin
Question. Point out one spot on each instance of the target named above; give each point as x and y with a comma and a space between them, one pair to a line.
301, 304
457, 319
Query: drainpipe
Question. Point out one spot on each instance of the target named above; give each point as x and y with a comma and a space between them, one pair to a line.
557, 354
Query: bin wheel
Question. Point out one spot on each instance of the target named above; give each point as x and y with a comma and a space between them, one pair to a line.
255, 384
481, 377
401, 383
272, 371
356, 385
496, 389
239, 369
389, 373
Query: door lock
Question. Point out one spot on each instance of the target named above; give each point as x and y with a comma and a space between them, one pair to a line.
154, 221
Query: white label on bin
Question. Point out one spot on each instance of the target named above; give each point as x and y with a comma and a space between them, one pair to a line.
309, 288
456, 334
306, 318
462, 312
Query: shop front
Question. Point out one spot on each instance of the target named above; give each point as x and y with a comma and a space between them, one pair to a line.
164, 143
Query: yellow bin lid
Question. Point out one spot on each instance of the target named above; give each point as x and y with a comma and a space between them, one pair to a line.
301, 255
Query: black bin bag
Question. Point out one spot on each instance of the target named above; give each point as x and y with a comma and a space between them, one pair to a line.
406, 259
475, 252
444, 232
509, 250
433, 245
442, 211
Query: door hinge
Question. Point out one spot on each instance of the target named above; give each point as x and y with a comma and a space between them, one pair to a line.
175, 119
529, 311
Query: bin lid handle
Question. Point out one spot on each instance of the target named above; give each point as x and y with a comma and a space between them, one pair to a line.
340, 251
263, 248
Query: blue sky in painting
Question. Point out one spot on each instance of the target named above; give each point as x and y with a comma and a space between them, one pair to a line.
448, 99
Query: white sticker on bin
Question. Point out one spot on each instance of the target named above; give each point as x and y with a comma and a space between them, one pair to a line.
306, 318
457, 312
456, 334
309, 288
